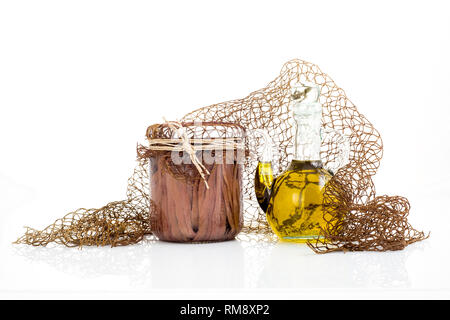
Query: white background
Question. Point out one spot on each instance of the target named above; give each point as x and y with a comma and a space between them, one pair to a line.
81, 80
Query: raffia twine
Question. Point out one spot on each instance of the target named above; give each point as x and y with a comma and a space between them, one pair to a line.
192, 145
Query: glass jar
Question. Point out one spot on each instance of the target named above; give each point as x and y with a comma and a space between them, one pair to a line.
196, 181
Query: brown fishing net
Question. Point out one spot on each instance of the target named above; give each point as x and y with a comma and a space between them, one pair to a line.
116, 224
357, 219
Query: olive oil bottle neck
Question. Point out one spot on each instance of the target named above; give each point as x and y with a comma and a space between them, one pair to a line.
307, 136
307, 112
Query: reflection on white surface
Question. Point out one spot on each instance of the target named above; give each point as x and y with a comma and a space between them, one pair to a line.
231, 264
296, 266
210, 265
153, 264
92, 262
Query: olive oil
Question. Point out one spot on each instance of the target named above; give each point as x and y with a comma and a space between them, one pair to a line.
295, 210
263, 183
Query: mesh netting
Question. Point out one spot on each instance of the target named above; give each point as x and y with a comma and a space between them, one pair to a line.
357, 219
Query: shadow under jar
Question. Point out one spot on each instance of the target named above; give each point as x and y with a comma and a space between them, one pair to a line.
183, 207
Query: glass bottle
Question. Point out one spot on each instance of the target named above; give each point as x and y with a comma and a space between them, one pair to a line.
293, 200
